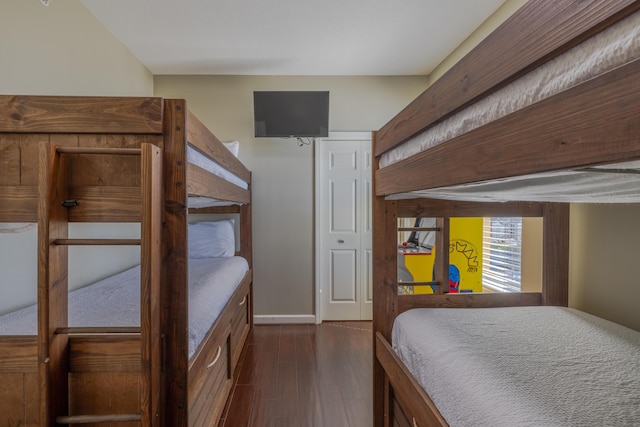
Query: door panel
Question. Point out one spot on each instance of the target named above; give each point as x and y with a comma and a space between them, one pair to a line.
343, 276
344, 228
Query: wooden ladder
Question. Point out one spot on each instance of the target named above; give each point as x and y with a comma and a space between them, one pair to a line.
53, 243
441, 265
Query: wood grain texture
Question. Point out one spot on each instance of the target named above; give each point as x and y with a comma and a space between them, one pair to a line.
407, 302
10, 160
562, 132
202, 183
174, 296
555, 255
66, 114
538, 32
104, 353
304, 375
18, 354
408, 391
441, 264
385, 285
200, 137
246, 236
105, 204
104, 393
52, 284
433, 208
19, 203
150, 272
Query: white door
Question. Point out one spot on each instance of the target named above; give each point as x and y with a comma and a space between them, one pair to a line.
343, 227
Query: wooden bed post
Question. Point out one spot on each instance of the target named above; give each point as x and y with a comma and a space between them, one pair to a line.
246, 248
442, 256
555, 256
150, 264
52, 285
385, 290
174, 309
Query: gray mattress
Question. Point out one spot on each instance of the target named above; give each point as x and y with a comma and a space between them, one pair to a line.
524, 366
115, 301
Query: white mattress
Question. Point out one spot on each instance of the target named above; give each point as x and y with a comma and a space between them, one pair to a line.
526, 366
115, 301
615, 183
195, 157
609, 49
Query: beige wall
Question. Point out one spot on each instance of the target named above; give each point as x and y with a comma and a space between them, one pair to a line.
604, 254
283, 198
61, 50
498, 17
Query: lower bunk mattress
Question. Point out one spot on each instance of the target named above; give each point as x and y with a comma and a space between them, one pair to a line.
522, 366
115, 301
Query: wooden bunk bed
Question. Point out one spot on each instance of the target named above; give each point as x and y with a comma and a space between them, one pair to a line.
589, 128
118, 159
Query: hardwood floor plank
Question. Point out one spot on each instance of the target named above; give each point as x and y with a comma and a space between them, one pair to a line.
240, 406
304, 375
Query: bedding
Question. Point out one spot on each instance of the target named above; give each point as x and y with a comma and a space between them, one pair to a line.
211, 239
197, 158
614, 183
524, 366
115, 301
607, 50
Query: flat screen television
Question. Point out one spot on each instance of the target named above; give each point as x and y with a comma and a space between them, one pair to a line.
284, 114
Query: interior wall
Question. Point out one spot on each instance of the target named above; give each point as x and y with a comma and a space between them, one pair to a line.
283, 199
604, 254
62, 50
498, 17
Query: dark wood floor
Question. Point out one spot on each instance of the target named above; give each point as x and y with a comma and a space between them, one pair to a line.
304, 375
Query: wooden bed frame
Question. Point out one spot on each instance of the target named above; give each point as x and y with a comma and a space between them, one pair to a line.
121, 160
592, 123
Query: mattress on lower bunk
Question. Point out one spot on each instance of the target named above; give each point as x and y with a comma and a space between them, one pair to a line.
115, 301
523, 366
607, 50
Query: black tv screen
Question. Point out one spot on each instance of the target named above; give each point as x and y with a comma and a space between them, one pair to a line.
283, 114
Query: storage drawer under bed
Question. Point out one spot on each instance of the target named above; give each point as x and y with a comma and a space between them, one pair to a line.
210, 379
240, 323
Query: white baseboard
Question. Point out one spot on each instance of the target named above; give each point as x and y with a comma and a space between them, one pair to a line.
280, 319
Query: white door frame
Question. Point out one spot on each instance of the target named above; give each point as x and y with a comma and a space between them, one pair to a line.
355, 136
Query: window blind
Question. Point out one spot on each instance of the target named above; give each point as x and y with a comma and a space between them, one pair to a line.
501, 247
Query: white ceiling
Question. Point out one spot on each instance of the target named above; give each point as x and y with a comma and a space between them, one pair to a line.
292, 37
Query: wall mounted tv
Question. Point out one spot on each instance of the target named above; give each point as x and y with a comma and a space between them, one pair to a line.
284, 114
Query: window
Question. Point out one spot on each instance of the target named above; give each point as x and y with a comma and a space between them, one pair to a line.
501, 247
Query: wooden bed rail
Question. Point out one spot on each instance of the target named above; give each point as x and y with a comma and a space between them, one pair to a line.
539, 32
74, 114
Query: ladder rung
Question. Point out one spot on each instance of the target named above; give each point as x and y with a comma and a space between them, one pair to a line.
94, 150
97, 242
419, 283
86, 419
87, 330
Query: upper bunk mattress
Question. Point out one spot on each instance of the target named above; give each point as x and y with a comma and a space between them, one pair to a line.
115, 301
523, 366
195, 157
614, 183
607, 50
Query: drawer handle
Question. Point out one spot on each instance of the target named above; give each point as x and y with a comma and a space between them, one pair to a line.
243, 300
216, 358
